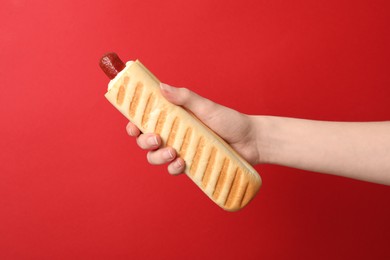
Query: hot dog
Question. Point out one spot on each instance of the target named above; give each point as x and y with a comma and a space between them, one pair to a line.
220, 172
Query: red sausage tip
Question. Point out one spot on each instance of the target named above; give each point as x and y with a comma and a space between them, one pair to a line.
111, 64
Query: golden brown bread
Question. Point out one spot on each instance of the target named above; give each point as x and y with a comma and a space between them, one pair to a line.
211, 163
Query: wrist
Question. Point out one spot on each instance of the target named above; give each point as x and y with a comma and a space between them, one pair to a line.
265, 140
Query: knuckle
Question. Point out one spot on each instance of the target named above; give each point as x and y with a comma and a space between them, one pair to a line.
185, 94
140, 142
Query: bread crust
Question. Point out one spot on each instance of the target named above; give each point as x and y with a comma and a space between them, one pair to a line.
217, 169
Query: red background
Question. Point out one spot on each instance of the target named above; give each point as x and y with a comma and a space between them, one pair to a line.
73, 185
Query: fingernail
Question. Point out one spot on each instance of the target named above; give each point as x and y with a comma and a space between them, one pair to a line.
178, 164
168, 154
153, 141
131, 131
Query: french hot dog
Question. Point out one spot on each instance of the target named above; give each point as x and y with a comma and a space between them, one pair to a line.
219, 171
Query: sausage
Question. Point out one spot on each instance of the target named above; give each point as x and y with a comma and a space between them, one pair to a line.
111, 64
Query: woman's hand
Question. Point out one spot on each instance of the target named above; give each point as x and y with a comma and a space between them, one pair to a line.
235, 128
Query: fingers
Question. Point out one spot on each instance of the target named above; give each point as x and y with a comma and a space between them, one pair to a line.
149, 141
167, 155
161, 156
132, 130
177, 166
200, 106
144, 141
203, 108
157, 156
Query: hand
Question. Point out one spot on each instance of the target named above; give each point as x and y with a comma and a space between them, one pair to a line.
237, 129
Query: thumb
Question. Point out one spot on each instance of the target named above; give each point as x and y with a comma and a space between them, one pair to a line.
202, 107
228, 123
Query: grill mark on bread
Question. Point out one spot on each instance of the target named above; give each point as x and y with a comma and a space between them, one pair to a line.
148, 108
186, 141
221, 179
172, 133
135, 100
232, 190
198, 154
248, 194
160, 122
122, 91
243, 195
209, 167
121, 95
